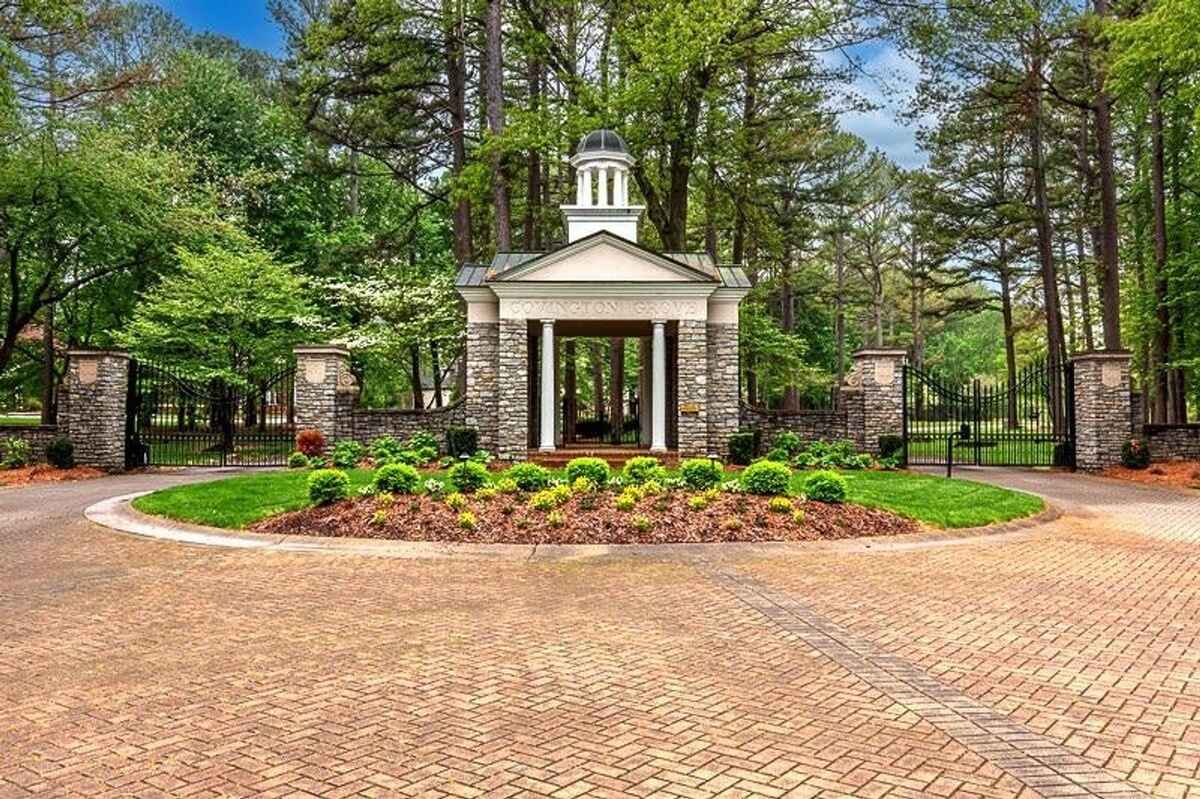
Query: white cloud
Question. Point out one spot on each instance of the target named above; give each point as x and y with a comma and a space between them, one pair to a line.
887, 80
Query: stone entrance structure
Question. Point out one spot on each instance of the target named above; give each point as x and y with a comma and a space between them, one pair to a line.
682, 307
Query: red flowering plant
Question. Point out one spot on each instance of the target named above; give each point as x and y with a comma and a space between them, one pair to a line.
1135, 454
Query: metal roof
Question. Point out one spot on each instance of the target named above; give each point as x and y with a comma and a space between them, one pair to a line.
471, 275
602, 140
733, 277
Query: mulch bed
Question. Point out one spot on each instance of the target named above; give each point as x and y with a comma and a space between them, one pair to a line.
45, 473
588, 519
1176, 474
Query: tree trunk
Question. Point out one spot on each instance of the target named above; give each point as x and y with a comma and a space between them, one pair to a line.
49, 377
1010, 335
1069, 291
418, 396
839, 302
1045, 234
1109, 271
787, 323
597, 379
570, 391
456, 98
495, 118
533, 191
1162, 411
616, 386
1086, 183
435, 358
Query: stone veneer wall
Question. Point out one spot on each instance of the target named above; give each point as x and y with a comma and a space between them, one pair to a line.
723, 400
97, 386
480, 406
1173, 442
369, 424
1102, 408
512, 390
692, 366
811, 425
880, 376
38, 437
325, 391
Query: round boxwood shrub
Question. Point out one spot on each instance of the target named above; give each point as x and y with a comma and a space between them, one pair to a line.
825, 486
766, 478
297, 460
529, 476
468, 476
594, 469
396, 478
60, 452
326, 486
642, 470
701, 474
1135, 453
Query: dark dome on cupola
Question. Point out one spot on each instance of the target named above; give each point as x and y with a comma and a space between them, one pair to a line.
602, 140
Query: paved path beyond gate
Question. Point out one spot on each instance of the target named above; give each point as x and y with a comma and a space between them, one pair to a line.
1059, 664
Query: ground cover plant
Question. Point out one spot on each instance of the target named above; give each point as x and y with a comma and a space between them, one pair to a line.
527, 502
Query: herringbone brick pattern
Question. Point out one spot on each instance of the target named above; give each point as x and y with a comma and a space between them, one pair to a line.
136, 668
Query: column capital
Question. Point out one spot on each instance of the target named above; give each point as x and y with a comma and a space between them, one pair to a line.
658, 322
548, 322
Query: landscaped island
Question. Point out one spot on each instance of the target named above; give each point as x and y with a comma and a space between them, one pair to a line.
408, 494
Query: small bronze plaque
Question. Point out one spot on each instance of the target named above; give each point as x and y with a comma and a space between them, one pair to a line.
689, 407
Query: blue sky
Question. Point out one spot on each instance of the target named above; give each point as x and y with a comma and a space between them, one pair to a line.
888, 75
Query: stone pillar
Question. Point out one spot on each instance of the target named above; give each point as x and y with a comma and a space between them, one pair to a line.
692, 372
723, 400
658, 387
479, 400
325, 391
879, 374
1102, 408
512, 391
547, 404
95, 411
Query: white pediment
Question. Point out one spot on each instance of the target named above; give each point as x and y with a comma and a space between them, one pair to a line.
604, 258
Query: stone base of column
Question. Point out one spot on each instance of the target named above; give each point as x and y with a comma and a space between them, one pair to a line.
97, 386
1103, 420
512, 391
878, 376
324, 389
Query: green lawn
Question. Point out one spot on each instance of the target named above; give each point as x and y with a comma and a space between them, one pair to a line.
11, 420
936, 500
236, 502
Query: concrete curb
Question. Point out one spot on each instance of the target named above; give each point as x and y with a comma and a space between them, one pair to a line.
117, 513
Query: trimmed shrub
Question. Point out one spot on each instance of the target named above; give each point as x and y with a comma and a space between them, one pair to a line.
594, 469
468, 476
698, 502
297, 460
766, 478
700, 474
891, 446
467, 520
386, 449
327, 486
642, 470
346, 454
396, 478
1135, 453
780, 505
17, 453
626, 502
825, 486
643, 524
461, 441
743, 447
60, 453
456, 501
779, 455
311, 442
507, 485
529, 476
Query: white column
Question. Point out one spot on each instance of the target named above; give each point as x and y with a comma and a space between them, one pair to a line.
602, 179
580, 193
621, 183
548, 404
658, 389
587, 188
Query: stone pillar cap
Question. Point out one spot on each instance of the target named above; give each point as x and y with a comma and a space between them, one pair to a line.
892, 352
1096, 355
100, 353
320, 349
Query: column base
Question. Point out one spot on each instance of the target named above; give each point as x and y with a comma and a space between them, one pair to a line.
547, 449
659, 449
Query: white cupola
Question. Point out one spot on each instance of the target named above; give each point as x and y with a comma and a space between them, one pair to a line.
602, 165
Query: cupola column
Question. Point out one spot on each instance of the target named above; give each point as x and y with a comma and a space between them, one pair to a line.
587, 188
602, 181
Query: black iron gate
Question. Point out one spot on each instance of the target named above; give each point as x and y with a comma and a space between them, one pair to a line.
1029, 421
176, 420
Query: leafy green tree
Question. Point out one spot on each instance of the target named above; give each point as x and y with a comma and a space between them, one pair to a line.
232, 312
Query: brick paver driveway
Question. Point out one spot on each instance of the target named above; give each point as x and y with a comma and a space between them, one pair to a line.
1058, 662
